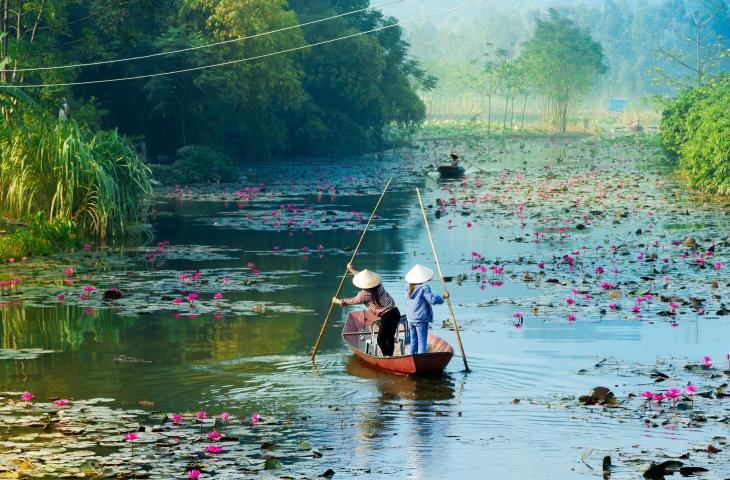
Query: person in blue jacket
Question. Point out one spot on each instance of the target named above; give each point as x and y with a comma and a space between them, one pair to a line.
419, 310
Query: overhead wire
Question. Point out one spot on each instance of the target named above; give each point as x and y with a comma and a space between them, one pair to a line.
241, 60
199, 47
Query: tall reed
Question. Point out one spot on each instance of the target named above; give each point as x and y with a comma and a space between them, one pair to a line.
93, 179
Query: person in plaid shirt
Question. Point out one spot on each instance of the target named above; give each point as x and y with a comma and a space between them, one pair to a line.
378, 302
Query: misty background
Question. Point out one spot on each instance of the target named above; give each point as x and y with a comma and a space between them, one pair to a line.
638, 38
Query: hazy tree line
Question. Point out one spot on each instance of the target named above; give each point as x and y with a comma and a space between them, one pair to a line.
326, 99
650, 48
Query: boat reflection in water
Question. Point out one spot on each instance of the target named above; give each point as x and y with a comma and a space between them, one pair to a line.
412, 414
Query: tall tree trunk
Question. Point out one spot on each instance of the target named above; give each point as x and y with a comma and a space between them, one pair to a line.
512, 114
489, 109
698, 42
506, 107
4, 42
524, 107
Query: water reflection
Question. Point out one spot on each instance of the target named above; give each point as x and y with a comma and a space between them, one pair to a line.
411, 415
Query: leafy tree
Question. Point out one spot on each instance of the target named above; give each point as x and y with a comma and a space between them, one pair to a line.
563, 60
708, 21
356, 86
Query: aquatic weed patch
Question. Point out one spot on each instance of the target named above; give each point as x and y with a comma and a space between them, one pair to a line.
684, 401
72, 438
588, 238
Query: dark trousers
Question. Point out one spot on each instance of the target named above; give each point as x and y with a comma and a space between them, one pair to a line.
386, 334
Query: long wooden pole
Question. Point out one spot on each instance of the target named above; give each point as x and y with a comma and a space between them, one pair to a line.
443, 282
344, 277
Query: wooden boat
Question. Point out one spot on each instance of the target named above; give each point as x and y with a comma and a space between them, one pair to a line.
360, 333
450, 171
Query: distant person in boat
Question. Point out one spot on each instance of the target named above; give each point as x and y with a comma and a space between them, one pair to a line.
454, 160
419, 306
378, 302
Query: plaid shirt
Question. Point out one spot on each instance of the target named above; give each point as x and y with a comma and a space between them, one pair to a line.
384, 304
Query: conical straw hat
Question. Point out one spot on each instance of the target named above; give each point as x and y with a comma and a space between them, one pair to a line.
419, 274
366, 279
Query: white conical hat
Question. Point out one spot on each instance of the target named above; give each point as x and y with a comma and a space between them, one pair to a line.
366, 279
419, 274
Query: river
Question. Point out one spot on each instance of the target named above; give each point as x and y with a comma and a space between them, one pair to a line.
513, 416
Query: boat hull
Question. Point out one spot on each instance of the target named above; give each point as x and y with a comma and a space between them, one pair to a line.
447, 171
432, 363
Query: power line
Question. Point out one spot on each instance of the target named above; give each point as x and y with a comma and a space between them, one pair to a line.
215, 44
241, 60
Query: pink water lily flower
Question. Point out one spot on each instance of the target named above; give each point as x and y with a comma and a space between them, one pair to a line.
707, 361
201, 414
214, 435
649, 395
569, 301
255, 418
213, 449
192, 296
62, 402
571, 317
27, 396
176, 418
218, 296
225, 416
672, 393
690, 389
61, 296
69, 271
193, 474
89, 288
130, 437
612, 306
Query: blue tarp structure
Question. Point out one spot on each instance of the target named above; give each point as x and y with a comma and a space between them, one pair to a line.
617, 104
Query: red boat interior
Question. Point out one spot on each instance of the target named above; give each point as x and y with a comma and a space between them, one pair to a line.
361, 331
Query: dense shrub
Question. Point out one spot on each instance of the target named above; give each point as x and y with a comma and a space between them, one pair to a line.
36, 236
196, 164
696, 128
674, 129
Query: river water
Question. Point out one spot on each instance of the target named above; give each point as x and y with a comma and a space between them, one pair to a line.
513, 416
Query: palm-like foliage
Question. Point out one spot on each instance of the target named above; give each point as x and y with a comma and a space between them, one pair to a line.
95, 180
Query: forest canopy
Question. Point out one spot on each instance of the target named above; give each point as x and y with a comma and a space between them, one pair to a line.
334, 98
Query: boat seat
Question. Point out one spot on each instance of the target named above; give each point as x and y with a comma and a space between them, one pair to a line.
402, 338
371, 345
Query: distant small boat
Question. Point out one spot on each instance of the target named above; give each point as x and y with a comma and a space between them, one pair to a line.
449, 171
360, 335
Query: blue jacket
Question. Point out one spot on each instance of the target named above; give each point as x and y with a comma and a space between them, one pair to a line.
418, 304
